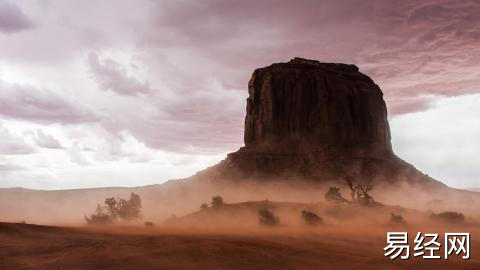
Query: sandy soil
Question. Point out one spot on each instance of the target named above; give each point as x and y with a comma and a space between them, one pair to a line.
24, 246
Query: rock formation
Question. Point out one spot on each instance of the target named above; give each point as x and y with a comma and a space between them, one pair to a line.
305, 102
316, 121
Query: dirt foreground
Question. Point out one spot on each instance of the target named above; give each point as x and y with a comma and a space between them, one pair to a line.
24, 246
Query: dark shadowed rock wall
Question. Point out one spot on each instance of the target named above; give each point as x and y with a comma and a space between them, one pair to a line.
315, 121
322, 104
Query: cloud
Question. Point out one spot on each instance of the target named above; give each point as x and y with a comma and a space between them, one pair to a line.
173, 74
110, 75
215, 43
46, 140
443, 140
410, 48
42, 106
405, 105
207, 119
12, 18
10, 168
427, 48
76, 155
12, 144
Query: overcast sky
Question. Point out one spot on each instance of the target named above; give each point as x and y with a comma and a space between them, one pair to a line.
126, 93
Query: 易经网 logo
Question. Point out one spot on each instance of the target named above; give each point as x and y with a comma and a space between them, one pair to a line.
427, 246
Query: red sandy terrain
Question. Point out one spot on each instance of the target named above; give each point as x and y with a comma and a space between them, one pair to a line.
25, 246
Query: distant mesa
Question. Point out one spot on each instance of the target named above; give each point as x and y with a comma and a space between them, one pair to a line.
316, 121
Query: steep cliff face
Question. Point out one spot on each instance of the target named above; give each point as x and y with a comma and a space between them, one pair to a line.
316, 121
321, 104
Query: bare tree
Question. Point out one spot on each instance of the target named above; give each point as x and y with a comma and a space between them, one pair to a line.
364, 188
359, 191
353, 188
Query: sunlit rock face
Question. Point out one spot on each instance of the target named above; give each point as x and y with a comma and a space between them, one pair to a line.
306, 102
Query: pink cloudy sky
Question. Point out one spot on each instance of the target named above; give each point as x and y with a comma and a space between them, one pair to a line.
125, 93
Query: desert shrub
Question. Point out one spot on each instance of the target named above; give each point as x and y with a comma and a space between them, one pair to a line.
100, 217
149, 224
115, 208
311, 218
266, 217
449, 216
203, 206
398, 219
217, 201
333, 195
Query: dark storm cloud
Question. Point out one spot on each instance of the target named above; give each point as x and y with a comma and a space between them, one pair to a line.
12, 18
432, 49
415, 51
41, 106
228, 39
110, 75
197, 57
411, 48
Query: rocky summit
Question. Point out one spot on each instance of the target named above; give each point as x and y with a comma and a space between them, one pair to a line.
317, 121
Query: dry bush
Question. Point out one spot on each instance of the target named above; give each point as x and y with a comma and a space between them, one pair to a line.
100, 217
266, 217
311, 218
149, 224
333, 195
397, 219
449, 217
217, 201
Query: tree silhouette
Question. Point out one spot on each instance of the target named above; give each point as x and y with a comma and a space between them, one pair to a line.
359, 191
117, 208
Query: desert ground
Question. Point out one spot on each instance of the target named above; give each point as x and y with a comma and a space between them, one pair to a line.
328, 246
350, 235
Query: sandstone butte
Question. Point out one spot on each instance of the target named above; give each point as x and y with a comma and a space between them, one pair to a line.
314, 121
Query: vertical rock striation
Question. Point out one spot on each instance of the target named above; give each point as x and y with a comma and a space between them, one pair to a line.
314, 121
305, 102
